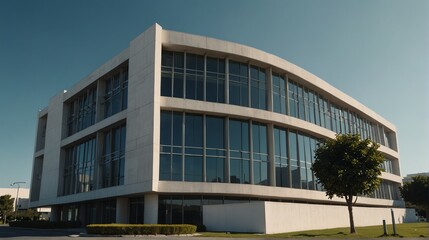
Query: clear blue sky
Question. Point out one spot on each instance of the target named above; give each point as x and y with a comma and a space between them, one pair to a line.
375, 51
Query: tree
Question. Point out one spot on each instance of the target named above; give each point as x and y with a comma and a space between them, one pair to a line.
6, 206
416, 192
347, 167
29, 214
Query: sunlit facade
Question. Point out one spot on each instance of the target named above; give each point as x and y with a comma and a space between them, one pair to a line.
177, 121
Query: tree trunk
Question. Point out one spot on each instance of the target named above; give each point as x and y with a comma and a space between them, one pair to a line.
427, 214
349, 200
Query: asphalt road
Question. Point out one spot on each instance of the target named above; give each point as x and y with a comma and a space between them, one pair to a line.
7, 232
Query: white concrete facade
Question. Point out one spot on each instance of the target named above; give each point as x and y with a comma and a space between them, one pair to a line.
142, 119
275, 217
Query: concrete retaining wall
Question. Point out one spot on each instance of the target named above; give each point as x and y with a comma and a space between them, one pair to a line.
277, 217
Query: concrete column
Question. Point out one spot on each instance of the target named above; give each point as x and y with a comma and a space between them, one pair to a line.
151, 208
122, 210
55, 214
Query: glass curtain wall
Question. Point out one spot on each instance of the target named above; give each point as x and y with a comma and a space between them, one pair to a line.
82, 111
279, 94
239, 151
172, 74
194, 77
193, 148
113, 159
281, 157
136, 215
215, 80
258, 88
116, 93
215, 149
79, 168
205, 80
260, 154
238, 83
171, 146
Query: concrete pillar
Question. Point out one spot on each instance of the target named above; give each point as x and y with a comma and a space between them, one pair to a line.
151, 208
55, 214
122, 210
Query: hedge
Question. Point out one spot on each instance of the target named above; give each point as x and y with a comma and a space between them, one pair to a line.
140, 229
45, 224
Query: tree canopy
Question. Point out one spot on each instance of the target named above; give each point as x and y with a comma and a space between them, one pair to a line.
6, 206
416, 192
348, 166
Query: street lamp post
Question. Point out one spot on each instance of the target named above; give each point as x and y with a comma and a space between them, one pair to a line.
17, 194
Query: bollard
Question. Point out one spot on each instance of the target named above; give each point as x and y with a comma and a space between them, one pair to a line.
393, 222
384, 228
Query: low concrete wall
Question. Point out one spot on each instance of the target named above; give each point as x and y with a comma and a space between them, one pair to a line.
235, 217
277, 217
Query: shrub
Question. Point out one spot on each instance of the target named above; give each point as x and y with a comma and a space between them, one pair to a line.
140, 229
45, 224
201, 228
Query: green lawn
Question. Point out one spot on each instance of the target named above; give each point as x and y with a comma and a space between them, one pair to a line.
404, 230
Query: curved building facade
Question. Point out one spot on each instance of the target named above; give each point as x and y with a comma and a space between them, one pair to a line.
177, 123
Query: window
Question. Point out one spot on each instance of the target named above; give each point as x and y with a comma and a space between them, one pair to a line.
136, 215
172, 71
260, 154
194, 77
317, 112
258, 88
215, 149
116, 93
301, 106
239, 151
79, 168
113, 160
306, 105
311, 109
82, 111
215, 80
279, 94
193, 148
294, 164
238, 83
387, 166
293, 99
171, 152
281, 157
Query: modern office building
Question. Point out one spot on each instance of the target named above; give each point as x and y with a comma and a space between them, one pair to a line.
409, 177
178, 123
